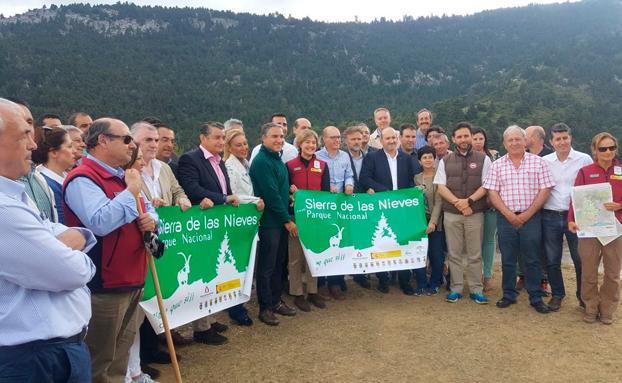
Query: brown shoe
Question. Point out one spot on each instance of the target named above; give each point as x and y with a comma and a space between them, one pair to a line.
324, 293
302, 303
268, 317
606, 320
179, 340
283, 309
317, 301
589, 318
555, 303
487, 282
335, 292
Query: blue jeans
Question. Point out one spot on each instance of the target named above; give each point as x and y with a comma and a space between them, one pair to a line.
554, 228
525, 240
436, 257
45, 363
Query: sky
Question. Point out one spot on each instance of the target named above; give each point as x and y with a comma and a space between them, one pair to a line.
321, 10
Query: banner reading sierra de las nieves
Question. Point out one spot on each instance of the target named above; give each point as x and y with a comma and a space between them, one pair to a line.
207, 265
362, 233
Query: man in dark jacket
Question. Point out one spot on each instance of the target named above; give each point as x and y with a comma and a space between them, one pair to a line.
388, 169
271, 183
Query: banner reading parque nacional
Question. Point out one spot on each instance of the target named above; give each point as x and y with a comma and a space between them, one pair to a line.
362, 233
207, 265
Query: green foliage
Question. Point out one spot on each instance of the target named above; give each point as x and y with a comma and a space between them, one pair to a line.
534, 65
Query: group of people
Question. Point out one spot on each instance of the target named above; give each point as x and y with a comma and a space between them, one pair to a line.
76, 199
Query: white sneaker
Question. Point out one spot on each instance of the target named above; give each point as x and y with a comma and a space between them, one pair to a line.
144, 378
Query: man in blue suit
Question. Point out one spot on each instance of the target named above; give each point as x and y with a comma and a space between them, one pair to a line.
388, 169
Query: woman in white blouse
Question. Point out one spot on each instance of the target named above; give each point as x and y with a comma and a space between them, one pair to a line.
236, 153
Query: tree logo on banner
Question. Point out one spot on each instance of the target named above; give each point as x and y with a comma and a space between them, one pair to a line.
383, 235
226, 262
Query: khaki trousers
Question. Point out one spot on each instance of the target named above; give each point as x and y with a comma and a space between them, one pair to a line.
606, 300
464, 241
298, 270
111, 333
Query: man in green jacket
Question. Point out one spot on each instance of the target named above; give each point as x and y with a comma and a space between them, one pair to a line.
271, 183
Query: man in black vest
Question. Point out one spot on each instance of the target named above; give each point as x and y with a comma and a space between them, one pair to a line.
459, 178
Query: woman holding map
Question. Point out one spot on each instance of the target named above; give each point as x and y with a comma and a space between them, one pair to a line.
600, 303
306, 172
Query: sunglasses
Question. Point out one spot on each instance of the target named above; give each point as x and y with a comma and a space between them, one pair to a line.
126, 139
603, 149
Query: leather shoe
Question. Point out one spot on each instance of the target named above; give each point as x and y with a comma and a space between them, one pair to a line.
541, 307
268, 317
284, 309
302, 303
383, 287
243, 320
505, 302
317, 301
178, 339
335, 292
219, 327
211, 337
555, 303
159, 357
362, 281
408, 290
147, 369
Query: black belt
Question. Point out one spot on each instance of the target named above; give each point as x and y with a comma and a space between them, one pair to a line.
560, 213
78, 338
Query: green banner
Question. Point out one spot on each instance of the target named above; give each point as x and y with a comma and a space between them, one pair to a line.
207, 265
362, 233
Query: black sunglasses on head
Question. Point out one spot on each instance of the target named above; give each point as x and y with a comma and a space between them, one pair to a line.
126, 139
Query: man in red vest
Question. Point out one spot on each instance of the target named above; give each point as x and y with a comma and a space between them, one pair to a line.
100, 196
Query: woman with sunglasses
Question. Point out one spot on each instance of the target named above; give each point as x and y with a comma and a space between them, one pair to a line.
601, 302
55, 156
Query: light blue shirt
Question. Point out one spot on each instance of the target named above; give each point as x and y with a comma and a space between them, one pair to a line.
95, 210
339, 168
43, 291
421, 142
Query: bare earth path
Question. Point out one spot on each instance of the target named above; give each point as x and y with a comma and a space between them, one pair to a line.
372, 337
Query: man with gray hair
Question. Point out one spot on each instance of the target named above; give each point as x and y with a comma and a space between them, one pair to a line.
518, 184
77, 142
101, 196
234, 123
271, 183
45, 303
382, 119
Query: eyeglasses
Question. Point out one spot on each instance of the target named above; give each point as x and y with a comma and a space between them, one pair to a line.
126, 139
603, 149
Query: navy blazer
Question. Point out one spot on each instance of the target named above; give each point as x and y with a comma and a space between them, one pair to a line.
375, 173
199, 180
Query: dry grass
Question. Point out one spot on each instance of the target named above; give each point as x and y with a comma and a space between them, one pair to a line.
373, 337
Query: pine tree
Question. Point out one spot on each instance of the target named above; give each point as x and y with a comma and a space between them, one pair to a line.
383, 232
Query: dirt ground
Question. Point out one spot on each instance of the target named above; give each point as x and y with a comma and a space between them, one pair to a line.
373, 337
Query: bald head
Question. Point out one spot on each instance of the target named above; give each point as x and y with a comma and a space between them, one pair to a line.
535, 136
109, 141
389, 140
331, 138
16, 141
301, 124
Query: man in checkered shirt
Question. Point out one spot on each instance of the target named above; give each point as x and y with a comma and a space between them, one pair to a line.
518, 185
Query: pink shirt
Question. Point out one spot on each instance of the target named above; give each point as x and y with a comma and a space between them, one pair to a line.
214, 160
518, 187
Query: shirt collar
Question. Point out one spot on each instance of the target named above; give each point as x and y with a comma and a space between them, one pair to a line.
324, 151
117, 172
389, 156
12, 188
50, 174
209, 156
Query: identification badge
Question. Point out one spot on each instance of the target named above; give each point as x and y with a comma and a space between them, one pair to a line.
297, 169
594, 175
316, 164
617, 170
472, 165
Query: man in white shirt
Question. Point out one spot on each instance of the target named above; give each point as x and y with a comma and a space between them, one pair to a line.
382, 119
564, 163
